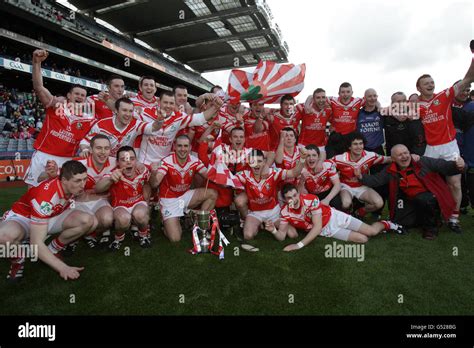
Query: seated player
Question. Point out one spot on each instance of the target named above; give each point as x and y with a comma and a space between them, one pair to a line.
262, 192
354, 161
44, 210
129, 193
322, 181
174, 179
98, 164
305, 212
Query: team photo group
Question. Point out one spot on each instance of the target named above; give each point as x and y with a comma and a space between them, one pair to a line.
112, 165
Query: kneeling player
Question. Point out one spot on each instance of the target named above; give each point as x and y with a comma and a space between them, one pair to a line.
305, 212
262, 191
128, 186
174, 178
45, 210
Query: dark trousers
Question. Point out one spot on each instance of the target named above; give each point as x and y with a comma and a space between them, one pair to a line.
381, 190
470, 185
427, 210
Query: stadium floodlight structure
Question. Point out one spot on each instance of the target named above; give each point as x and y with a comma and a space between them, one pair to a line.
206, 35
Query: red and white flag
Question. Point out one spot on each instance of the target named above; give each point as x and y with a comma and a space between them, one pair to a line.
218, 171
267, 83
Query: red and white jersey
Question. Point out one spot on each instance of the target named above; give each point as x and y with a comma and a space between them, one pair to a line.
228, 122
236, 160
62, 132
344, 116
437, 119
346, 166
94, 175
101, 110
259, 141
313, 126
145, 110
129, 191
289, 162
117, 137
279, 122
316, 183
178, 178
158, 145
301, 218
43, 202
262, 194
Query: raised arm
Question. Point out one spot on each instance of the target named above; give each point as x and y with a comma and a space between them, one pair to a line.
44, 95
469, 77
216, 104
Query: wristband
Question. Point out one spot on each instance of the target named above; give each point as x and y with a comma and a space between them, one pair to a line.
275, 231
300, 245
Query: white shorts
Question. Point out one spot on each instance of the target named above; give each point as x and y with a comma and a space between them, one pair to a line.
93, 206
355, 191
55, 224
447, 151
37, 165
272, 215
130, 209
340, 225
175, 207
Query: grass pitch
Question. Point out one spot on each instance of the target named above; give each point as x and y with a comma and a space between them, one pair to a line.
401, 275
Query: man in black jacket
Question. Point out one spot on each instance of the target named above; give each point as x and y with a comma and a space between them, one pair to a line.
420, 183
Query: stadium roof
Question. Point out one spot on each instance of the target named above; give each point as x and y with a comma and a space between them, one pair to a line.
207, 35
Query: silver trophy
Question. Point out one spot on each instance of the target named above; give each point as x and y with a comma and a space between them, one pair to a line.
202, 221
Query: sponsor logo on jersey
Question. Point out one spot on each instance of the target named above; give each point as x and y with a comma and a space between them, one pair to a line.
46, 208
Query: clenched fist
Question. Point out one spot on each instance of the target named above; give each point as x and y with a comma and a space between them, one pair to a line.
40, 56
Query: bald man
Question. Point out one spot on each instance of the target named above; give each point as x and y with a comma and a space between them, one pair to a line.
420, 183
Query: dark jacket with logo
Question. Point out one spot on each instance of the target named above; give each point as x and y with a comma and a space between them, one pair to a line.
428, 171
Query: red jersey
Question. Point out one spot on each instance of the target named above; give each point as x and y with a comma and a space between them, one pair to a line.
302, 218
289, 162
178, 178
101, 109
313, 126
278, 123
259, 141
344, 116
346, 166
128, 191
43, 202
437, 118
262, 194
228, 122
117, 137
144, 111
315, 183
93, 174
62, 132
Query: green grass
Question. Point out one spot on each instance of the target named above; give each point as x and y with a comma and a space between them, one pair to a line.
150, 282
